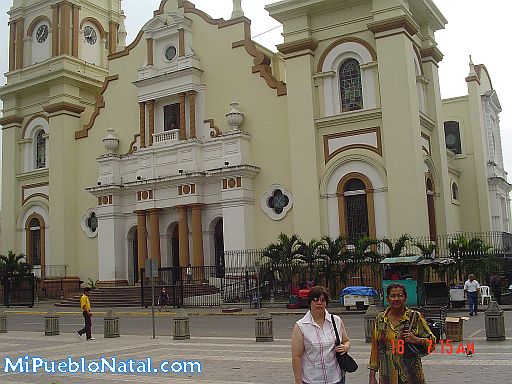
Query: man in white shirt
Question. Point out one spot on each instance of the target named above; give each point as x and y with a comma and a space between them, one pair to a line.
471, 287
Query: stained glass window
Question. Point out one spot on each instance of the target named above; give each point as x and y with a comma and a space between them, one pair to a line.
351, 86
278, 201
92, 222
356, 209
40, 150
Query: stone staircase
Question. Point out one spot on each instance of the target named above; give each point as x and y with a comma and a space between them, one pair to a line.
124, 296
129, 296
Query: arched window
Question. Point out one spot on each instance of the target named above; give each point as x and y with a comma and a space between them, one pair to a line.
40, 150
350, 86
431, 209
455, 192
35, 242
356, 209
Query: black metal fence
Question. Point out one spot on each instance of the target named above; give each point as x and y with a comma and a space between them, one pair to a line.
18, 290
458, 244
185, 286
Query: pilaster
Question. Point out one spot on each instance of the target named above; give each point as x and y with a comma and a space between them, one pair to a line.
478, 133
197, 235
430, 59
401, 133
142, 240
11, 202
142, 124
303, 144
183, 235
64, 121
154, 233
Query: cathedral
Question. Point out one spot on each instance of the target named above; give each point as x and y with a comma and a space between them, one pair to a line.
194, 140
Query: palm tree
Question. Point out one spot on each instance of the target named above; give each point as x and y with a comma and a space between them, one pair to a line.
395, 249
362, 250
13, 264
469, 253
331, 252
278, 258
426, 250
309, 254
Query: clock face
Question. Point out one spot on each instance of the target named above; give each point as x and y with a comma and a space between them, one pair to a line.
90, 35
42, 33
170, 53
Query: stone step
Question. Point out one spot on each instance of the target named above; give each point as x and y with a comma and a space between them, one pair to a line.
130, 296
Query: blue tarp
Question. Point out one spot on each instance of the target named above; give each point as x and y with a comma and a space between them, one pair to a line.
359, 290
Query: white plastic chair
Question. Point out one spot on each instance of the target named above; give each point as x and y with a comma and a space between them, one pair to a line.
485, 293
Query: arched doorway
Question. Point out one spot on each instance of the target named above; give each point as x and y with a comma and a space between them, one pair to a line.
356, 210
35, 239
175, 247
218, 241
431, 209
133, 251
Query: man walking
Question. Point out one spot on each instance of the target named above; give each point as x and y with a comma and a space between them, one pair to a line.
86, 308
471, 287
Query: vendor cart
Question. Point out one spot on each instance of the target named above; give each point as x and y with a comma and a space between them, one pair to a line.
404, 270
357, 296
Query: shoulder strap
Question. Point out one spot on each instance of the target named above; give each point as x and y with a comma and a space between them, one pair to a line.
413, 320
335, 330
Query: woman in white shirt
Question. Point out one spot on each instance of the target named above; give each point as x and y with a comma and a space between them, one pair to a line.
313, 343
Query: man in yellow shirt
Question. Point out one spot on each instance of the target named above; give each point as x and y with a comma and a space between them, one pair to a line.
86, 308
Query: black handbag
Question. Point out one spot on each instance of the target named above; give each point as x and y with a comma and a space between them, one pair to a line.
412, 351
346, 363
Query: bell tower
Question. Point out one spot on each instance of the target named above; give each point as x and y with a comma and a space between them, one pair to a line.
58, 61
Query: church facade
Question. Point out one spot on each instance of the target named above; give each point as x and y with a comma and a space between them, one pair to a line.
193, 139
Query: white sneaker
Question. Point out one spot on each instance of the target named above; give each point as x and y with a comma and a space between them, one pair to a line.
79, 336
92, 338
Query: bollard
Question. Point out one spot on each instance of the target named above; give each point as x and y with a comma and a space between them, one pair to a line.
264, 326
369, 322
181, 325
3, 323
51, 324
111, 325
494, 323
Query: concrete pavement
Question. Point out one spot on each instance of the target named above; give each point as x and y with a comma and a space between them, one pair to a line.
229, 360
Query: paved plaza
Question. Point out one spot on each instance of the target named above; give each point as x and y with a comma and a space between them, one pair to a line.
229, 360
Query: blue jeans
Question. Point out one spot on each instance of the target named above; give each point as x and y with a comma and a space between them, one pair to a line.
473, 302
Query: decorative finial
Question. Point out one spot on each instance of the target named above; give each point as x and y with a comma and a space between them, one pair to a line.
472, 71
235, 117
121, 34
110, 142
237, 9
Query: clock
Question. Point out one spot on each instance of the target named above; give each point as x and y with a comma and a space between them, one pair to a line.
42, 33
90, 35
170, 53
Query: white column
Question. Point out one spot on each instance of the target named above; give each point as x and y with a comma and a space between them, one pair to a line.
112, 260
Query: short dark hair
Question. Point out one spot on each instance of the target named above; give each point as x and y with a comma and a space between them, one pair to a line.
87, 289
395, 285
316, 292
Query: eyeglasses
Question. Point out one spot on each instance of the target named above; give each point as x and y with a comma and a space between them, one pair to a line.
318, 299
396, 296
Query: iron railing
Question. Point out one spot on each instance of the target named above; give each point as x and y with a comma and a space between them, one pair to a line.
185, 286
50, 271
18, 290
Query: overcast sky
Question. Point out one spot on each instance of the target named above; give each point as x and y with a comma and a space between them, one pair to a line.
474, 27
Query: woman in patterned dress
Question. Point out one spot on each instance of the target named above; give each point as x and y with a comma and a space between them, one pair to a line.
389, 334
